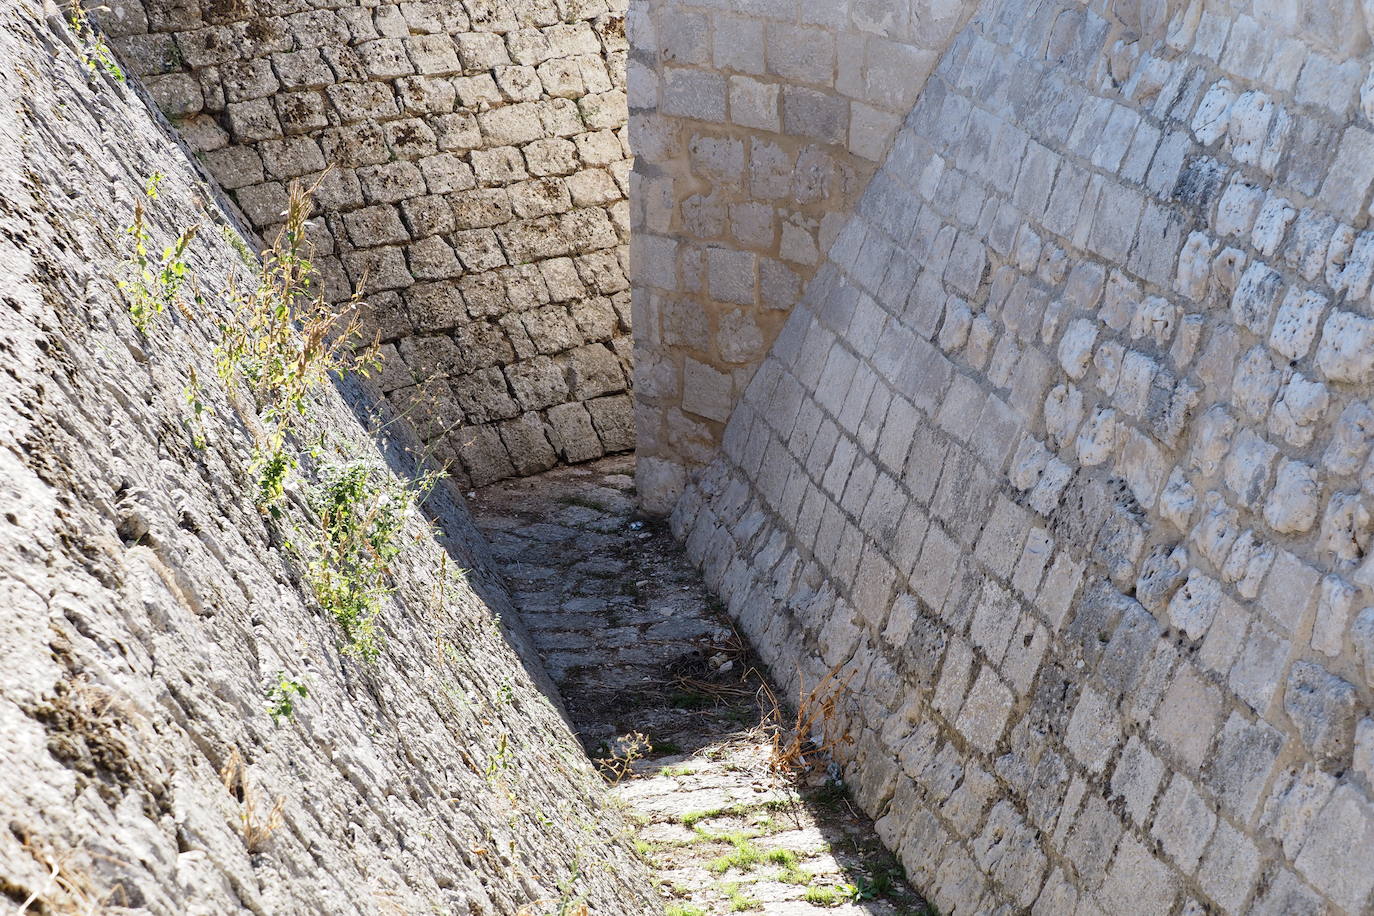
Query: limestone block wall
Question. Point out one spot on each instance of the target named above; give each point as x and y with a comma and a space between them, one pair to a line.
756, 127
1064, 460
150, 607
474, 171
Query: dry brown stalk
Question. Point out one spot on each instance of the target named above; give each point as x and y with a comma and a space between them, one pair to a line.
256, 827
621, 760
66, 890
794, 750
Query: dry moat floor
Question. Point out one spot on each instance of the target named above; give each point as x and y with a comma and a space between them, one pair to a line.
662, 690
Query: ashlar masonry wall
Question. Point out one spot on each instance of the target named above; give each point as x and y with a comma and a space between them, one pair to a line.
756, 126
1064, 460
477, 170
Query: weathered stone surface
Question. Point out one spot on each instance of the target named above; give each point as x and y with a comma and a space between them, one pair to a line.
1076, 398
750, 217
621, 619
151, 608
469, 145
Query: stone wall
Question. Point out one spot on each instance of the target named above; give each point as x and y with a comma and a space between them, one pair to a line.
476, 189
757, 125
149, 606
1064, 460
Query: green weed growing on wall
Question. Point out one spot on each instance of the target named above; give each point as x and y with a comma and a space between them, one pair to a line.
281, 696
153, 283
284, 340
361, 513
95, 53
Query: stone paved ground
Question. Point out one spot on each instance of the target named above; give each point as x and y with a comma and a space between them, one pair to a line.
639, 647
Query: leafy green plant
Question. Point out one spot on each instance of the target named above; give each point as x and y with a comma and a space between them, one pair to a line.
282, 694
94, 51
880, 881
361, 514
499, 760
572, 903
153, 283
194, 395
283, 339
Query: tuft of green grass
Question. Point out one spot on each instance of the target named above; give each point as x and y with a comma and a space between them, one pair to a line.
743, 857
692, 818
682, 909
784, 857
644, 849
677, 771
777, 804
794, 875
830, 895
767, 825
739, 902
246, 256
690, 699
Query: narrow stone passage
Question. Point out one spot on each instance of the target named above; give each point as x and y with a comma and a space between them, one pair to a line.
663, 692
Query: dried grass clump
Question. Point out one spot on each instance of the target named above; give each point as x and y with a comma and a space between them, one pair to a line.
795, 749
256, 824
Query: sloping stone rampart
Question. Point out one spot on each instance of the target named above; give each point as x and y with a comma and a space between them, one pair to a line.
477, 175
149, 607
1064, 459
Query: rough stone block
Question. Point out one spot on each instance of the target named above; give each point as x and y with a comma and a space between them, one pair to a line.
527, 443
572, 433
1229, 868
1183, 824
1188, 717
1245, 756
1138, 882
594, 370
1344, 831
817, 115
613, 418
1136, 778
1347, 183
1346, 350
1324, 708
696, 94
537, 383
1093, 729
